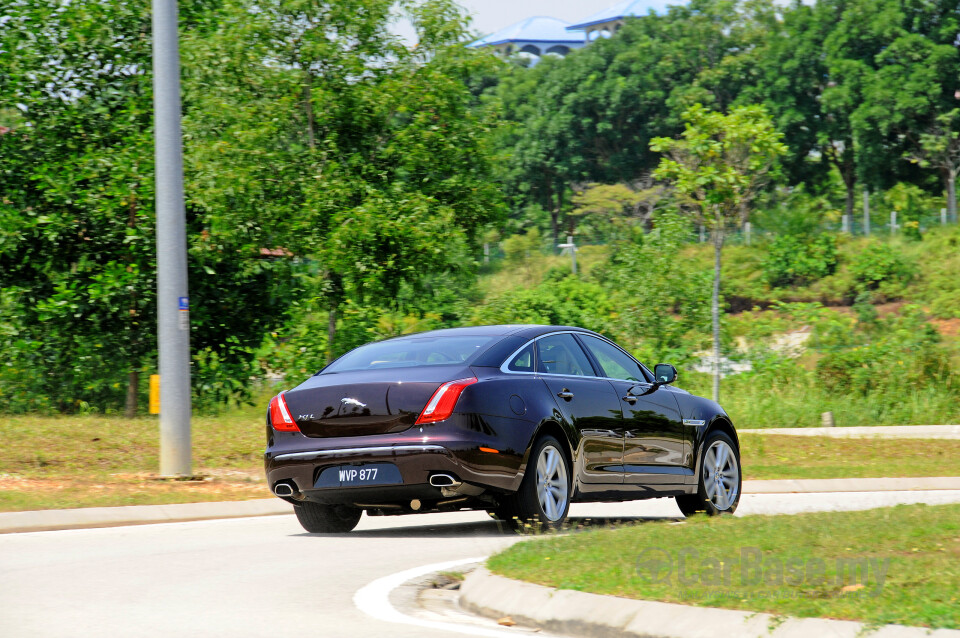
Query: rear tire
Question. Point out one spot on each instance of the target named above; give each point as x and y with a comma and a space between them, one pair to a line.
543, 499
719, 483
326, 519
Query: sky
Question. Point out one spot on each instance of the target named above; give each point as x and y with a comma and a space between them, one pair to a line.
492, 15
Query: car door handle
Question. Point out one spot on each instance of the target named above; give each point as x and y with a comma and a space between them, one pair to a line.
630, 399
565, 394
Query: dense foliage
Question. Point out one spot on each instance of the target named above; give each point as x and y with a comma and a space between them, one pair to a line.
326, 164
343, 186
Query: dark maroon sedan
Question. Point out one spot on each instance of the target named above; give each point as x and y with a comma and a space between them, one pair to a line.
516, 420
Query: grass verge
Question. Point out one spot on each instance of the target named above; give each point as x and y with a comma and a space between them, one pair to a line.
87, 461
801, 457
90, 461
890, 565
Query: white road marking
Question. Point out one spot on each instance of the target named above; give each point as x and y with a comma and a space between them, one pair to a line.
373, 599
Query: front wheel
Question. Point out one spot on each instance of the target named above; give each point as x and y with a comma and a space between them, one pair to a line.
326, 519
718, 488
544, 495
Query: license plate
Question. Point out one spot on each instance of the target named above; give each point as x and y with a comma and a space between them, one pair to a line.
363, 475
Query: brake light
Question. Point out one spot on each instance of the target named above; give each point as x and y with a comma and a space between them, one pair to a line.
441, 404
280, 417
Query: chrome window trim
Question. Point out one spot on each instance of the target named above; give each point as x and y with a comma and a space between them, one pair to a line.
506, 362
359, 450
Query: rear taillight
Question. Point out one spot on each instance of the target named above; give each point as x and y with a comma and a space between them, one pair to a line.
280, 417
441, 404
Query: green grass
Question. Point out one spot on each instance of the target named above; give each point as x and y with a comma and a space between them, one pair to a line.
50, 462
767, 456
799, 402
87, 461
918, 545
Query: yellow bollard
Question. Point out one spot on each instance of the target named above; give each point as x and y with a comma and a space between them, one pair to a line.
154, 394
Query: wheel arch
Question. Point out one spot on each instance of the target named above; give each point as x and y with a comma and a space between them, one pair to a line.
554, 429
724, 425
719, 423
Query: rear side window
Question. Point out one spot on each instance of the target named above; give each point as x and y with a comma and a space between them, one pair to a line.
616, 364
561, 354
523, 361
411, 353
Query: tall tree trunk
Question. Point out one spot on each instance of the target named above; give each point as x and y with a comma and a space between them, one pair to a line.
133, 385
952, 195
850, 181
715, 310
555, 216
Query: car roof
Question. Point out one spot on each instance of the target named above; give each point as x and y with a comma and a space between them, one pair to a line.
526, 331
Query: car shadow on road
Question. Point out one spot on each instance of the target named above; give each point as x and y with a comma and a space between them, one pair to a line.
491, 528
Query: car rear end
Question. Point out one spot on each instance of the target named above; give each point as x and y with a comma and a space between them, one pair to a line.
380, 430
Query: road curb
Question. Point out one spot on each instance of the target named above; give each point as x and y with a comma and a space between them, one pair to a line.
793, 486
867, 432
89, 517
594, 616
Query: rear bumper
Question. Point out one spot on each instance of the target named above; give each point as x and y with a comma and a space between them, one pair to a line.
417, 462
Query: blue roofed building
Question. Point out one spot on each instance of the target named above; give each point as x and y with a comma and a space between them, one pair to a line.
535, 36
607, 22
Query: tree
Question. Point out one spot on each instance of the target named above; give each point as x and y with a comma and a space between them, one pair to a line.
717, 168
77, 240
666, 299
939, 148
317, 128
583, 118
610, 206
907, 109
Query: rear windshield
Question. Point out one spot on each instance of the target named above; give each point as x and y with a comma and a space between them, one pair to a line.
410, 353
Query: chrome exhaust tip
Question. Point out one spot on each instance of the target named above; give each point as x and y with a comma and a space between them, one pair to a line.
443, 480
283, 489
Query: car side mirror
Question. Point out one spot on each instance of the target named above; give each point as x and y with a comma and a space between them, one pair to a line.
664, 373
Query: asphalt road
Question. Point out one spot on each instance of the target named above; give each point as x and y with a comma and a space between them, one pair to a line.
266, 577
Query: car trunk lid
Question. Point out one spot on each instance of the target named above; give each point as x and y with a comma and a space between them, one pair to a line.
364, 402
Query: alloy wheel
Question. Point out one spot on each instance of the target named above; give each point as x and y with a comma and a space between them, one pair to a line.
552, 485
721, 475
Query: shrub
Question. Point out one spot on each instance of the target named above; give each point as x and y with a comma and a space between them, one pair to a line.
904, 354
881, 268
794, 261
516, 248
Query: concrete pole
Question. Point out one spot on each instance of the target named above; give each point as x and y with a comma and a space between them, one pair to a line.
893, 222
943, 216
746, 232
173, 314
866, 212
